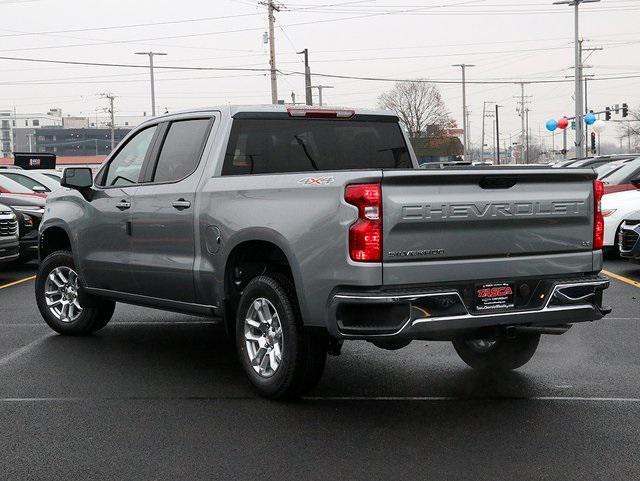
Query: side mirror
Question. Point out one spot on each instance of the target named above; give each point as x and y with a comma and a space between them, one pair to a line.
79, 178
635, 182
38, 189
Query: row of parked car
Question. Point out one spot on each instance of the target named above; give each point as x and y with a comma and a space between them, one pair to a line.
22, 198
621, 200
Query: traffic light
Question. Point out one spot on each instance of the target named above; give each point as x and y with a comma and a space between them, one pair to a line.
607, 114
625, 110
593, 142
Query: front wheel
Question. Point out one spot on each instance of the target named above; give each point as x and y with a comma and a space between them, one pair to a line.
497, 353
60, 302
279, 357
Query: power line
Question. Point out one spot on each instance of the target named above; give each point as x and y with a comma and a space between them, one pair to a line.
327, 75
193, 35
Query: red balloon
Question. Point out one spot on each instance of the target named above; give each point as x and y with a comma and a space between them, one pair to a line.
563, 123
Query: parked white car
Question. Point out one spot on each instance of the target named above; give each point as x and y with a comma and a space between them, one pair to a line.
35, 181
615, 208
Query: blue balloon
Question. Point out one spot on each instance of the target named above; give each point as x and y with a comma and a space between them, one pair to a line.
590, 119
552, 125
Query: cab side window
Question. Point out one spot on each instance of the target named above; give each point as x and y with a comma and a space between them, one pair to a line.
181, 150
124, 169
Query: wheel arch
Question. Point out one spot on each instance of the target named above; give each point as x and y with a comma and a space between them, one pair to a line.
256, 251
53, 238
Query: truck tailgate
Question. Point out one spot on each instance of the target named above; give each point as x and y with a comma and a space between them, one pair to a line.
484, 214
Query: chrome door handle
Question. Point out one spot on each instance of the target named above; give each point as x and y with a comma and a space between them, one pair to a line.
181, 204
123, 205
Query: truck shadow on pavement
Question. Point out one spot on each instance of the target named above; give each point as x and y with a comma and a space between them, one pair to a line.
191, 360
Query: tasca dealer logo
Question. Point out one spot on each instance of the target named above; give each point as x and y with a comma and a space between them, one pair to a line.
481, 210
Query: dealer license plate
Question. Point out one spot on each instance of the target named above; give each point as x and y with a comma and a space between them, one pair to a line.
495, 296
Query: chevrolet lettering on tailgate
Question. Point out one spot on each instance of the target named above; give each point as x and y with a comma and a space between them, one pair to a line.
493, 209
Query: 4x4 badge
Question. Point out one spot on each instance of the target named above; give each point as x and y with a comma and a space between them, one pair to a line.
317, 180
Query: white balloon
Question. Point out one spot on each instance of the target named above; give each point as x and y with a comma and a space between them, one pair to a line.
599, 126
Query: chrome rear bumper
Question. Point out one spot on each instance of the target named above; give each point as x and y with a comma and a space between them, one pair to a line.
444, 314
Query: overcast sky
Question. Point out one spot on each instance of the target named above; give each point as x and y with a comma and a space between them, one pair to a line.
507, 40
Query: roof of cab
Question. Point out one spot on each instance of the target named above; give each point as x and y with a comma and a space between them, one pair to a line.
231, 110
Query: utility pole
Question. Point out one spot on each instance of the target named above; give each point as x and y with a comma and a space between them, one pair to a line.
469, 134
527, 122
493, 137
111, 99
586, 87
307, 79
153, 86
498, 133
271, 7
484, 114
579, 108
464, 66
320, 87
522, 101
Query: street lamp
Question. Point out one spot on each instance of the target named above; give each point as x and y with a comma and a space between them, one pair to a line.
579, 109
153, 87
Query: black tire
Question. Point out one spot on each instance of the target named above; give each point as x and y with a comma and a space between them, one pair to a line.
505, 355
303, 355
96, 313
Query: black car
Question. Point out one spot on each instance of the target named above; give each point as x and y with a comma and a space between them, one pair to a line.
620, 175
629, 237
9, 244
29, 210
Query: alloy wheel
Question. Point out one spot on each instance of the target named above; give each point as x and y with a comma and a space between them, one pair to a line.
61, 294
263, 337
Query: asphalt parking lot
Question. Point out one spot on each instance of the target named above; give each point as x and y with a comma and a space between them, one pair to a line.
158, 395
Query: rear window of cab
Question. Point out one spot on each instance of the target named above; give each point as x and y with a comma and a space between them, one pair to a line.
269, 146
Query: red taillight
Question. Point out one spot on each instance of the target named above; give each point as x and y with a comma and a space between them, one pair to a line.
365, 235
598, 221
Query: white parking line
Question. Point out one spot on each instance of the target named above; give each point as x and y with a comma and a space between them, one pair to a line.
19, 352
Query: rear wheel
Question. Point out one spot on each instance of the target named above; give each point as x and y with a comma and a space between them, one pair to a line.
497, 353
59, 298
279, 357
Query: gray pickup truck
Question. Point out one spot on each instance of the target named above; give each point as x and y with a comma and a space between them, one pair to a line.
303, 228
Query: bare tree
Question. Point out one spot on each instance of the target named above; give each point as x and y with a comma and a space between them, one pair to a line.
418, 105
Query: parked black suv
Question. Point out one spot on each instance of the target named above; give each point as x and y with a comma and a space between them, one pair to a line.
29, 210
